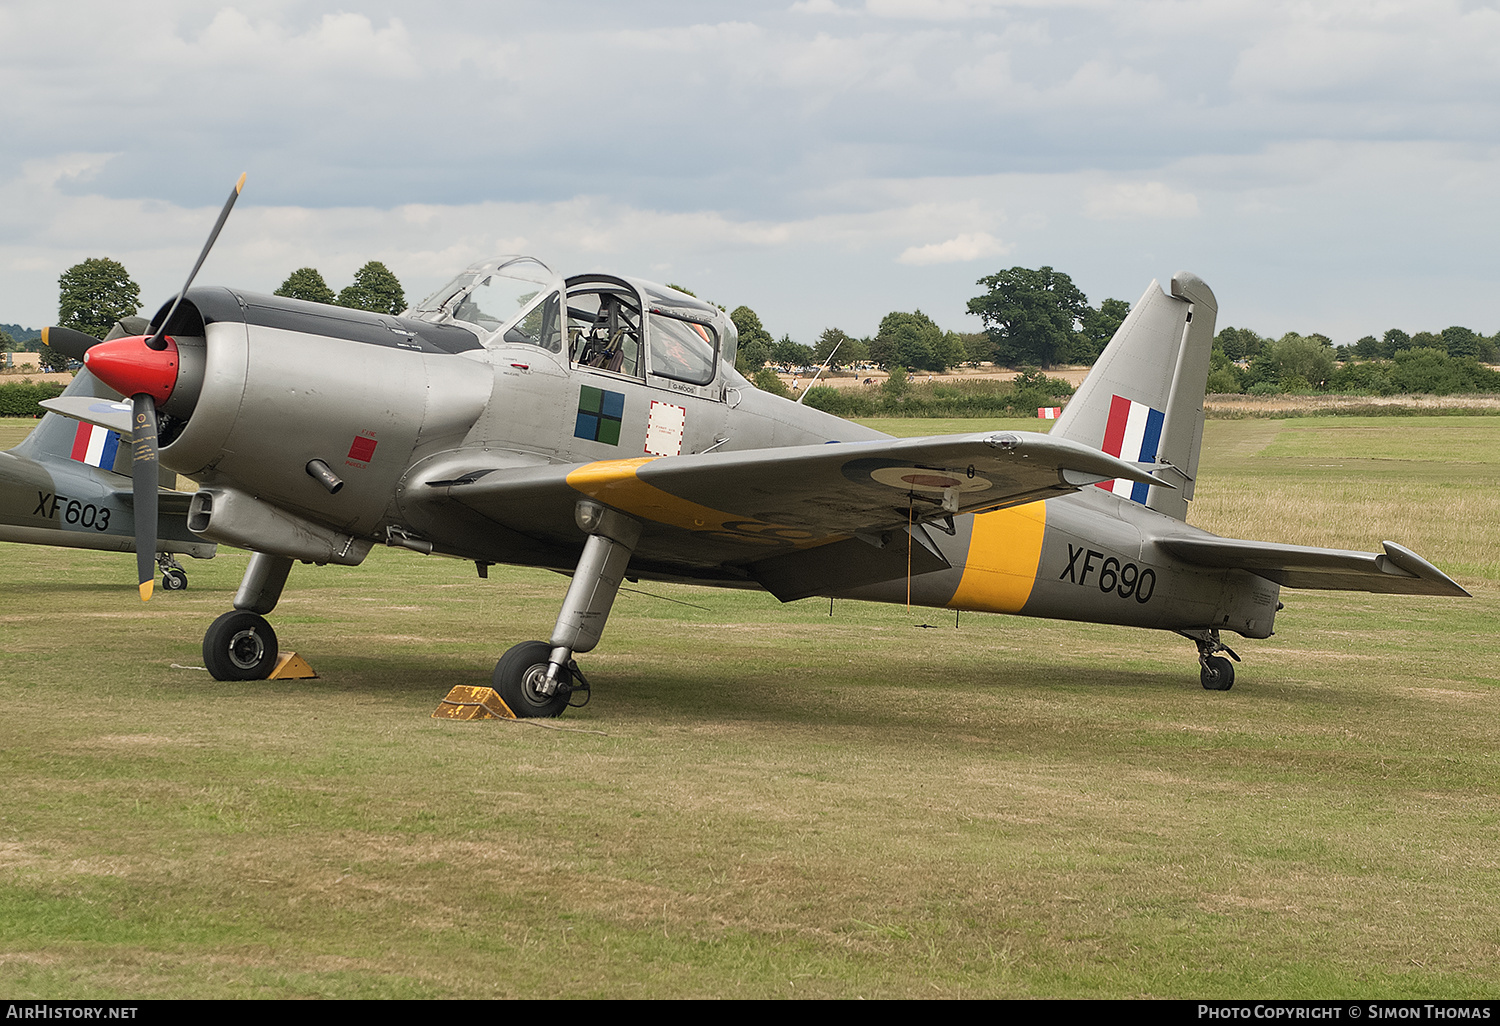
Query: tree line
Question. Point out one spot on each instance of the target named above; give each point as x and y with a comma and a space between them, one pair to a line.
1032, 318
1435, 363
95, 293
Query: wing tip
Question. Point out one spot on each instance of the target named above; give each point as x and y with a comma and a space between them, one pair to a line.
1407, 561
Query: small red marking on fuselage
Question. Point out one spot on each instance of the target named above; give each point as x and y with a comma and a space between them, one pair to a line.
362, 449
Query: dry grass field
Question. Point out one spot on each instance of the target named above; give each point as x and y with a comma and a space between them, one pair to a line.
766, 800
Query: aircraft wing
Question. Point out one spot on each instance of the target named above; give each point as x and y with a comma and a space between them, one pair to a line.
1397, 570
711, 509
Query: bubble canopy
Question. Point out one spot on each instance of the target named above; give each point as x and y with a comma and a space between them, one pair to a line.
614, 324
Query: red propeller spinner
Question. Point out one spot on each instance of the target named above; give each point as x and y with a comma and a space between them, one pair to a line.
130, 367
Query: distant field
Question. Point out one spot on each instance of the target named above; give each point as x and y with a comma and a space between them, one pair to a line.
763, 800
13, 429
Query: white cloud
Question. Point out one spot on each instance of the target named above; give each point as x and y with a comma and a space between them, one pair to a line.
1138, 200
932, 10
819, 7
1101, 84
73, 167
968, 246
787, 154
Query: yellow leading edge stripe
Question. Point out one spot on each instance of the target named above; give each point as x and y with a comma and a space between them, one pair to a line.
1004, 554
616, 482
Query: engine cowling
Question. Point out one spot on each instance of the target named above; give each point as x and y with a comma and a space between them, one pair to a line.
263, 386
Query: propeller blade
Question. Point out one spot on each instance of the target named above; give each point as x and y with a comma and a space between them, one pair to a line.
71, 342
155, 341
143, 472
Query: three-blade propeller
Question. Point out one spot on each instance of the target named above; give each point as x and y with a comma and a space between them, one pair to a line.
147, 377
71, 342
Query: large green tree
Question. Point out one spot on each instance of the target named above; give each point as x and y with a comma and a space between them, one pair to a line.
1099, 326
849, 350
977, 346
375, 289
951, 350
306, 283
911, 340
1394, 341
791, 354
94, 294
1032, 316
1293, 363
1239, 343
755, 340
1462, 342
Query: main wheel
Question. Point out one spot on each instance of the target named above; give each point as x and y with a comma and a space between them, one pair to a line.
240, 646
519, 675
173, 579
1218, 674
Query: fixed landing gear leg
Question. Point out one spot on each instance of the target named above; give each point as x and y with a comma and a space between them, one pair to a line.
1217, 673
536, 678
260, 589
240, 645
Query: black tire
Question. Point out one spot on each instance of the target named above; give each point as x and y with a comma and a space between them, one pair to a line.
1218, 674
518, 672
240, 646
173, 580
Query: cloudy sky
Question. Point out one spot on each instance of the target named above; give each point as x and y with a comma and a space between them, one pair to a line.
1327, 166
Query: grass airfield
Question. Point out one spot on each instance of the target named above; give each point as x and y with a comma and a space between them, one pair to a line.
763, 801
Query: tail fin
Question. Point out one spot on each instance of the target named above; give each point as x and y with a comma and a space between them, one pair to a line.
1144, 398
59, 437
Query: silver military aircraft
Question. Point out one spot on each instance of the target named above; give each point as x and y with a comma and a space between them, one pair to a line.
596, 425
67, 483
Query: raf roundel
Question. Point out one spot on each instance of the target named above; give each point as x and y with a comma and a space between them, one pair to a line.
924, 479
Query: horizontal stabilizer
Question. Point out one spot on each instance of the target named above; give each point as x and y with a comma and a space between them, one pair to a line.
1396, 571
106, 413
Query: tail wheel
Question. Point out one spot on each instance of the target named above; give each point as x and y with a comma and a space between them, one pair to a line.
1218, 673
